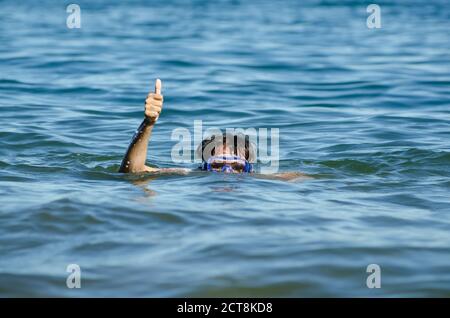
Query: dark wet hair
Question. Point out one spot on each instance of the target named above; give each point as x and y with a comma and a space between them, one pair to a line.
238, 142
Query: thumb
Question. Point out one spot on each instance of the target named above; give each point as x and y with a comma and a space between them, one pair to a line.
158, 86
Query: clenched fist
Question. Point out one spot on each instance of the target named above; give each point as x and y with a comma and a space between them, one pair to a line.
153, 103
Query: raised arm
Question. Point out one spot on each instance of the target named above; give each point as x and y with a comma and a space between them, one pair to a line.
134, 159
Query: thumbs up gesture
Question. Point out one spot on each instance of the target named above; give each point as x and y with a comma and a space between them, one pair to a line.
153, 103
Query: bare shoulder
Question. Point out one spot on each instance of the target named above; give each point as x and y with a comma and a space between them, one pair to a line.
181, 171
285, 176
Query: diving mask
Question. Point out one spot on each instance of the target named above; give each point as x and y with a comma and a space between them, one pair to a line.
228, 164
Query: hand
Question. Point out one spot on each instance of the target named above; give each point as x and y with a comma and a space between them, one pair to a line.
153, 103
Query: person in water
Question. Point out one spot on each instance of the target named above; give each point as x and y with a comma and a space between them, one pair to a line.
227, 153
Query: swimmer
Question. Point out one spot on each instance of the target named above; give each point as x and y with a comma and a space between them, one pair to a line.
224, 153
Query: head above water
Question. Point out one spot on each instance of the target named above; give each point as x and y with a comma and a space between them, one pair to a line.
231, 153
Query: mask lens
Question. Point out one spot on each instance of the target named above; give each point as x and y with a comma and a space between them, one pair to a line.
217, 165
236, 164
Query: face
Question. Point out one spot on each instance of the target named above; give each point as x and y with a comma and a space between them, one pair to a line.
229, 165
220, 150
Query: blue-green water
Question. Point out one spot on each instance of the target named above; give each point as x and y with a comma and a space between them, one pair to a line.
366, 112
